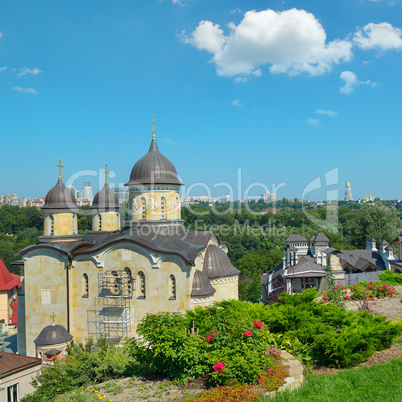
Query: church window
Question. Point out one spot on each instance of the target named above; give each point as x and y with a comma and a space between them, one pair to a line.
130, 282
99, 222
141, 288
85, 286
143, 208
163, 208
172, 287
116, 282
51, 225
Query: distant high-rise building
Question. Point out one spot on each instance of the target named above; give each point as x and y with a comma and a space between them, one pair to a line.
348, 192
87, 193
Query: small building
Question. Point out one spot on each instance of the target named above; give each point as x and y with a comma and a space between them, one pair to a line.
16, 375
9, 285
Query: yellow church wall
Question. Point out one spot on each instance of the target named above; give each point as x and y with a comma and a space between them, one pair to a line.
109, 221
45, 294
226, 288
64, 223
153, 205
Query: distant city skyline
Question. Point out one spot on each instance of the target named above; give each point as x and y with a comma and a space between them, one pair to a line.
80, 81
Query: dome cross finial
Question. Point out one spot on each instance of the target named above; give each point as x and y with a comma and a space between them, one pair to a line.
106, 173
53, 316
153, 128
60, 166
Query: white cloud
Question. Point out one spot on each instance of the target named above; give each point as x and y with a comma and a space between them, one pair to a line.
235, 11
291, 42
313, 122
3, 68
241, 78
351, 82
1, 34
382, 36
236, 102
26, 90
30, 71
329, 113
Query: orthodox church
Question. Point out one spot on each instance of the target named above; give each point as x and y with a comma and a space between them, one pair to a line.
103, 283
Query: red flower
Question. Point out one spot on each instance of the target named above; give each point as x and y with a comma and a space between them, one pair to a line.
258, 324
219, 367
342, 287
259, 379
347, 297
213, 335
208, 339
326, 301
248, 333
231, 332
372, 298
379, 296
371, 288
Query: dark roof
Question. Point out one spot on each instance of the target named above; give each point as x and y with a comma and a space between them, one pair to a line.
105, 199
278, 270
384, 242
53, 335
293, 249
331, 250
360, 258
217, 263
295, 238
201, 285
52, 352
60, 197
389, 248
319, 240
370, 239
173, 240
305, 268
153, 168
12, 363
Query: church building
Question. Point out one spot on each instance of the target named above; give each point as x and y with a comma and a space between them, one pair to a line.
103, 283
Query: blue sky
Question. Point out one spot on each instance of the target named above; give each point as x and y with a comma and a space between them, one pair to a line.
283, 90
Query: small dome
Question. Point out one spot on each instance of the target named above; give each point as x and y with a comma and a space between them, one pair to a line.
105, 199
60, 197
201, 285
53, 335
217, 263
154, 168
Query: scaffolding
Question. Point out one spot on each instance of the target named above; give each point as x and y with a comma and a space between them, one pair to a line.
109, 316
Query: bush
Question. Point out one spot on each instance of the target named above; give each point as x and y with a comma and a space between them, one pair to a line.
374, 289
80, 368
237, 351
391, 278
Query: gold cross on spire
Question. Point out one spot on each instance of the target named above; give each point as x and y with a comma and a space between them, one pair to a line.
53, 316
106, 173
60, 166
154, 124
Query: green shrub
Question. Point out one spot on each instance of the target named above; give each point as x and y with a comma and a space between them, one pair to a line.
374, 289
80, 368
232, 351
391, 278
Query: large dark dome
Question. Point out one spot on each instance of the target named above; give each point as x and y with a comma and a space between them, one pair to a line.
154, 168
105, 199
60, 197
53, 335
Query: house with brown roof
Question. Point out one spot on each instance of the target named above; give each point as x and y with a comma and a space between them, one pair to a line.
16, 375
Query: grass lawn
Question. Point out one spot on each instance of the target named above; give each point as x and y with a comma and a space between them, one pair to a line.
382, 382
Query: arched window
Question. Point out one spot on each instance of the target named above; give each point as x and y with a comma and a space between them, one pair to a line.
130, 282
85, 286
141, 287
143, 208
99, 222
116, 282
51, 225
172, 287
163, 208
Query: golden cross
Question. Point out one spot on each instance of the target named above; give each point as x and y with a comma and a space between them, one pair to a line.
106, 173
53, 316
60, 166
154, 124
